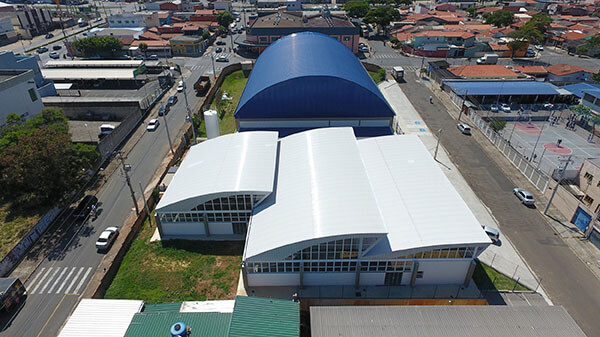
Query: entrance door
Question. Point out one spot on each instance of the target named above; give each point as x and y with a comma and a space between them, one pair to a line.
393, 279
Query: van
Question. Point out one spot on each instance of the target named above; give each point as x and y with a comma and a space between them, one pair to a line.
493, 233
105, 129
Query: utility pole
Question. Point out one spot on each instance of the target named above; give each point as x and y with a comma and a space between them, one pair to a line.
212, 58
438, 144
145, 203
126, 168
562, 174
463, 104
536, 142
168, 135
187, 107
420, 69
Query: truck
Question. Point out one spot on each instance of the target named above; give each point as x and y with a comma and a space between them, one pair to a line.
488, 59
398, 73
12, 291
202, 85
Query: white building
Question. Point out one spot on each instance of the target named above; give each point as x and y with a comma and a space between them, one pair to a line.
327, 209
19, 94
130, 20
222, 5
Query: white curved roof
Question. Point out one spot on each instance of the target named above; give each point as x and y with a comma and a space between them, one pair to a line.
239, 162
322, 190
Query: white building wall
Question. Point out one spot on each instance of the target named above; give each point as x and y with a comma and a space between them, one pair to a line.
16, 99
329, 279
183, 228
220, 228
576, 77
373, 279
441, 272
273, 280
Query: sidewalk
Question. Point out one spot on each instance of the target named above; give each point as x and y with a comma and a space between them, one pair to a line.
503, 257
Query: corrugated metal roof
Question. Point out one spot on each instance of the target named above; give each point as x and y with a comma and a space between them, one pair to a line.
480, 88
88, 73
233, 163
310, 75
101, 318
443, 321
321, 185
162, 307
418, 204
255, 316
577, 88
359, 131
158, 324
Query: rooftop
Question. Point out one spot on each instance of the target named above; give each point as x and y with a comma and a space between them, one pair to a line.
483, 70
440, 33
88, 73
517, 87
531, 70
566, 69
573, 36
578, 89
91, 316
286, 19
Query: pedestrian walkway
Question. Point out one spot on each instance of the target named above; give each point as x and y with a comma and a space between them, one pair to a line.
58, 280
503, 257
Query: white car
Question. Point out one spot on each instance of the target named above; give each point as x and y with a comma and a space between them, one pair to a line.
505, 107
222, 58
539, 47
464, 128
180, 86
106, 238
152, 125
363, 49
493, 233
494, 108
523, 195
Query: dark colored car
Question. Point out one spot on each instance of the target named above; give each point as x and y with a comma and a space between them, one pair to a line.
85, 206
172, 100
219, 50
49, 35
41, 50
163, 110
220, 43
56, 47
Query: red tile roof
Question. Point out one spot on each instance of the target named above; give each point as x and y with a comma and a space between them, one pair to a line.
148, 35
151, 43
498, 47
126, 41
573, 36
483, 70
436, 33
566, 69
531, 70
488, 9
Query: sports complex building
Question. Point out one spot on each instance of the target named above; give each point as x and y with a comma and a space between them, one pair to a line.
310, 80
321, 207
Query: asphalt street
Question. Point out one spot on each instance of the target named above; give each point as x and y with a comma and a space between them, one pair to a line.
565, 278
56, 285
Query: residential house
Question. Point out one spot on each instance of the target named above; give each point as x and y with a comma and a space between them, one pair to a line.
8, 60
188, 45
19, 94
540, 73
484, 71
567, 73
591, 99
573, 39
501, 49
139, 19
441, 44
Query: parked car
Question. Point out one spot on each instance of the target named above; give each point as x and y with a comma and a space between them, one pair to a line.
85, 206
172, 100
221, 43
464, 128
222, 58
163, 110
363, 49
138, 57
42, 50
539, 47
180, 86
219, 50
153, 58
493, 233
530, 54
523, 195
152, 125
494, 108
54, 55
49, 35
505, 107
56, 47
106, 238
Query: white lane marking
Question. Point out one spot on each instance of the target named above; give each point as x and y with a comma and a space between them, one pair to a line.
41, 280
74, 279
66, 279
58, 279
82, 279
36, 277
49, 280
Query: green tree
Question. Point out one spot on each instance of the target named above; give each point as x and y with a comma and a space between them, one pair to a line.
356, 9
596, 77
586, 114
583, 49
394, 40
382, 16
571, 49
221, 30
98, 45
144, 48
540, 21
497, 124
515, 45
500, 18
225, 19
205, 34
471, 12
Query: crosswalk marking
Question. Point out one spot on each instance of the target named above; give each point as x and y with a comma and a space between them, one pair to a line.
49, 280
83, 279
66, 279
57, 279
36, 277
74, 279
41, 280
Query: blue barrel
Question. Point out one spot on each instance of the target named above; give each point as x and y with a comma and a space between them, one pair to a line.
178, 329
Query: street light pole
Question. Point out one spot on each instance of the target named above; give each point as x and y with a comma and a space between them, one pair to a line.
187, 107
438, 144
463, 105
168, 135
562, 174
126, 169
536, 142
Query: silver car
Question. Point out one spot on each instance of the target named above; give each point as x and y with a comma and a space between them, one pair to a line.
464, 128
106, 238
493, 233
523, 195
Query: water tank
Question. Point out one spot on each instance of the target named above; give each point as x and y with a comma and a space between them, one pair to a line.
211, 118
179, 329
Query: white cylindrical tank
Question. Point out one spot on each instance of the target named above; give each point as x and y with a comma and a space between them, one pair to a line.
211, 118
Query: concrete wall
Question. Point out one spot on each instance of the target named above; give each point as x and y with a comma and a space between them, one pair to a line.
369, 279
272, 279
442, 272
329, 279
183, 228
565, 201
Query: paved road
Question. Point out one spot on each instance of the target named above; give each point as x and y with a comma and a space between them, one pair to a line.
566, 279
56, 285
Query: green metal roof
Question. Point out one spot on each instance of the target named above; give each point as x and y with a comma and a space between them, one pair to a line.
158, 324
255, 316
162, 307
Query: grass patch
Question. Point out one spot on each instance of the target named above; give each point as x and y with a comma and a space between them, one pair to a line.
233, 85
377, 76
177, 270
14, 224
487, 277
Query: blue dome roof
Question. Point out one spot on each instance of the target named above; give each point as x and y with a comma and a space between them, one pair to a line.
310, 75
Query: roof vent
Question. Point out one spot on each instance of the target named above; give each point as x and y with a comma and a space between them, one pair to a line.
179, 329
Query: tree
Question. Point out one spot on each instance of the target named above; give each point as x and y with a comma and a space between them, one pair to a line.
497, 124
540, 21
586, 114
144, 48
225, 19
382, 16
515, 45
205, 34
583, 49
221, 30
394, 40
471, 12
98, 45
500, 18
356, 9
596, 77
